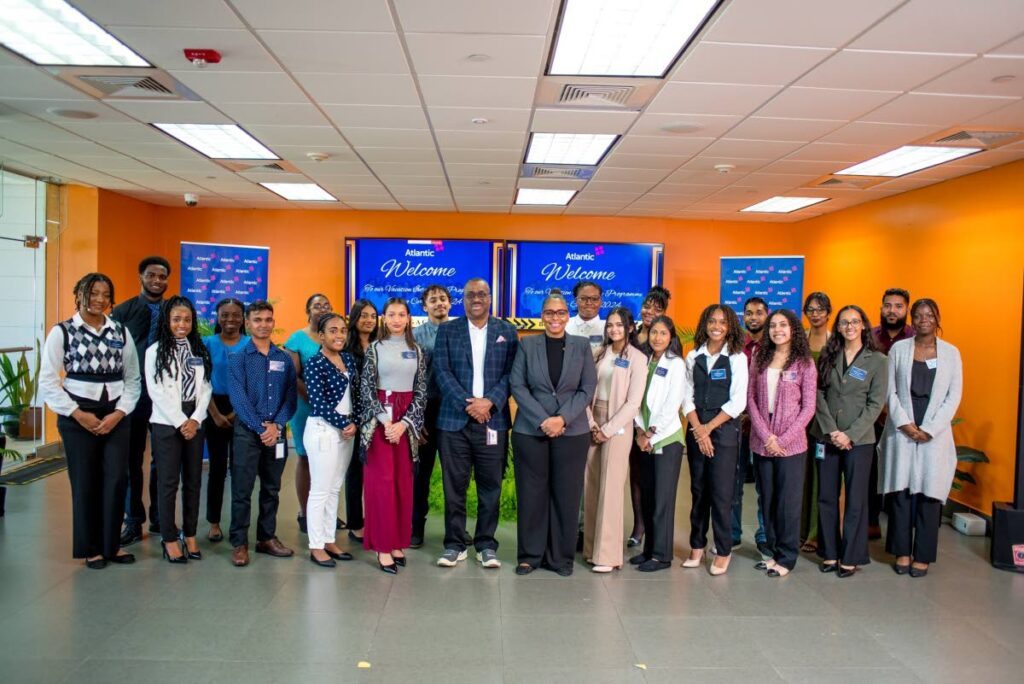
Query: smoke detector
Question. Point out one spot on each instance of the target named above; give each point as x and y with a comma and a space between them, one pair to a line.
316, 156
724, 168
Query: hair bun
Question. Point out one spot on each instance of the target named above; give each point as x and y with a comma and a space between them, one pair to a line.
555, 291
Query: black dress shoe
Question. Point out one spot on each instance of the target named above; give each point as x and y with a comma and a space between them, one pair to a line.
416, 541
123, 559
96, 563
339, 524
390, 569
900, 569
329, 563
130, 535
343, 556
843, 573
400, 561
761, 565
183, 558
828, 567
354, 537
302, 523
653, 565
564, 571
637, 559
524, 569
918, 572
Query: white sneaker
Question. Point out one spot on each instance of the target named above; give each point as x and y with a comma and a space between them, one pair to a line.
488, 558
451, 557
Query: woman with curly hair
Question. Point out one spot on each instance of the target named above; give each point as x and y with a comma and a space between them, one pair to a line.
715, 395
177, 371
852, 384
781, 402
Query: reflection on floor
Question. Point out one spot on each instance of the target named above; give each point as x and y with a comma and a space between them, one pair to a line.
289, 621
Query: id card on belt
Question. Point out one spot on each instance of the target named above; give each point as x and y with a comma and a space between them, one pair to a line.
492, 437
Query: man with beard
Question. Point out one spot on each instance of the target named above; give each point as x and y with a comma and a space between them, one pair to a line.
892, 328
139, 316
755, 316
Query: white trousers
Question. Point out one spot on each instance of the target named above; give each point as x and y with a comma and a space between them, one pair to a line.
329, 455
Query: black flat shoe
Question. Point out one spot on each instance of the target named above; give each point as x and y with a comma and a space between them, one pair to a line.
846, 572
399, 561
637, 559
653, 565
123, 559
329, 563
900, 569
96, 564
564, 571
343, 556
762, 566
302, 523
180, 559
634, 541
416, 541
354, 537
339, 524
918, 572
828, 567
524, 569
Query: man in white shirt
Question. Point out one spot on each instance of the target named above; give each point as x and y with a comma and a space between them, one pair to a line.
587, 321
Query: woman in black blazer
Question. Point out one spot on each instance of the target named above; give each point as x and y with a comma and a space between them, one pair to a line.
553, 380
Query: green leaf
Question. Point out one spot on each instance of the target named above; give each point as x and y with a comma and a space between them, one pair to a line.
964, 476
957, 487
956, 421
968, 454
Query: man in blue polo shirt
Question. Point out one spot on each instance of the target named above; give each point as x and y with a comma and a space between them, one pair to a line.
263, 394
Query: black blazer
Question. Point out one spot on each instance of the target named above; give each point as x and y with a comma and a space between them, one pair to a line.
537, 400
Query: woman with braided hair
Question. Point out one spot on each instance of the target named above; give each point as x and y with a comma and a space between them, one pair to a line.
178, 378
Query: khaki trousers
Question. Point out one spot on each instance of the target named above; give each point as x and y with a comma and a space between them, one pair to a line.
604, 494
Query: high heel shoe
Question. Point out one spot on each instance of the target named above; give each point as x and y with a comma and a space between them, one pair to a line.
692, 562
717, 570
180, 559
390, 569
846, 571
399, 560
192, 555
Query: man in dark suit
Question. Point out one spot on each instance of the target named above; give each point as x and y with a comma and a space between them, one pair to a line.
472, 360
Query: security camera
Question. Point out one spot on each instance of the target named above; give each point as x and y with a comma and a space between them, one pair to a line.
191, 199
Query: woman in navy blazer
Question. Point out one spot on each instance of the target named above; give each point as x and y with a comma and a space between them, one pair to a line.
553, 380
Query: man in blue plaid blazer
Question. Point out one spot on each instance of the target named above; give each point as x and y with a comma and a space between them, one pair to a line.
472, 361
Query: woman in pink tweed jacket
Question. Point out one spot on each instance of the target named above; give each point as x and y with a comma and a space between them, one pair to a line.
781, 398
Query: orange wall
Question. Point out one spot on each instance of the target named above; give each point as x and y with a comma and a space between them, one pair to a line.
956, 242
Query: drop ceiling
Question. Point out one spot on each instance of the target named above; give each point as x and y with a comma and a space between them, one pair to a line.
427, 105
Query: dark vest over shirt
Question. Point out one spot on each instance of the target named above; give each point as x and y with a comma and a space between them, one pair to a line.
710, 395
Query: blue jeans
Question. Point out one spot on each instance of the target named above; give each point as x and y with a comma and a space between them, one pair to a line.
737, 504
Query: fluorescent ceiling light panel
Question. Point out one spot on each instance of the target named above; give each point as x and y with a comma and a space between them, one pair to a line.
306, 192
907, 159
218, 141
53, 33
784, 205
625, 37
585, 149
542, 196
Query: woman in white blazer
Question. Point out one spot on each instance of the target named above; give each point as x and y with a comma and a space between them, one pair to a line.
659, 436
918, 458
177, 371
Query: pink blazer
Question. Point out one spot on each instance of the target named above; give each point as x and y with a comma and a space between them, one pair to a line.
794, 407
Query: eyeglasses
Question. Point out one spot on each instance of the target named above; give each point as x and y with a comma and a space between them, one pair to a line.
473, 296
812, 310
857, 323
588, 300
320, 307
554, 313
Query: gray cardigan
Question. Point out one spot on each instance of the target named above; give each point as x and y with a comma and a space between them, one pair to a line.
537, 400
853, 400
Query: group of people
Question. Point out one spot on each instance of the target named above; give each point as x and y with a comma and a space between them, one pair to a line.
827, 418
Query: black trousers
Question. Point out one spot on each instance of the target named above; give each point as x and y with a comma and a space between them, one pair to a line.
852, 467
252, 459
463, 452
876, 501
782, 490
219, 446
659, 480
549, 486
914, 521
425, 468
713, 488
134, 508
354, 490
177, 459
98, 471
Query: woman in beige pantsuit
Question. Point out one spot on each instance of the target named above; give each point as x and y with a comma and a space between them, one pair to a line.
621, 377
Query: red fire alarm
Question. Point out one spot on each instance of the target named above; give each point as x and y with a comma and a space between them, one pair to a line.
201, 57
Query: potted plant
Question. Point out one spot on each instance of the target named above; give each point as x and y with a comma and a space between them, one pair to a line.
6, 455
10, 414
20, 386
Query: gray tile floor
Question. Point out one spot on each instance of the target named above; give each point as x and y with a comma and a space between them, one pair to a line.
287, 620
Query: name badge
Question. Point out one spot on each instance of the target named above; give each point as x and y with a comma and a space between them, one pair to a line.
661, 372
115, 344
492, 437
932, 363
279, 451
858, 373
819, 451
624, 363
277, 366
596, 339
718, 374
195, 361
409, 354
789, 376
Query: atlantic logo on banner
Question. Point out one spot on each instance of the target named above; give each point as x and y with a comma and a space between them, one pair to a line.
777, 280
211, 272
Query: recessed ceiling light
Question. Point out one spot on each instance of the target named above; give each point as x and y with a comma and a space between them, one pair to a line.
1005, 78
307, 192
568, 148
478, 57
682, 127
625, 37
72, 113
784, 205
544, 197
907, 159
53, 33
218, 141
479, 120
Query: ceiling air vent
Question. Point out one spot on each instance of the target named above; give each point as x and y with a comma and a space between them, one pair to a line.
968, 137
128, 86
577, 95
563, 172
846, 182
257, 166
116, 83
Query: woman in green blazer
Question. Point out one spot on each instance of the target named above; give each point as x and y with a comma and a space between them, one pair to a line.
852, 389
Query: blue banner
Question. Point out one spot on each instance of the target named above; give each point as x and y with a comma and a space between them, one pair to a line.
778, 280
210, 273
624, 272
379, 269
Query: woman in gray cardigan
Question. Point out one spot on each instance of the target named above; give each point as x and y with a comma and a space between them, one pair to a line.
919, 457
852, 385
553, 380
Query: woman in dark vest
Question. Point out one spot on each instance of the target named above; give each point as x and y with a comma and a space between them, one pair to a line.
714, 397
99, 388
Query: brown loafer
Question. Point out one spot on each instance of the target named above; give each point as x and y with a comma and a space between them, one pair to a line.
274, 547
240, 556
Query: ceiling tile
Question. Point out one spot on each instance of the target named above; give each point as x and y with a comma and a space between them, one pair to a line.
798, 167
360, 89
477, 91
480, 139
172, 112
376, 116
458, 155
707, 163
482, 170
390, 169
461, 119
707, 125
664, 162
526, 17
769, 128
877, 70
251, 113
390, 137
39, 108
1011, 116
30, 82
1013, 47
337, 52
787, 22
397, 154
864, 132
297, 135
825, 103
751, 149
654, 144
423, 181
939, 110
448, 54
839, 153
117, 132
317, 15
331, 167
184, 13
710, 98
240, 86
630, 175
711, 62
581, 121
945, 26
976, 78
297, 153
163, 47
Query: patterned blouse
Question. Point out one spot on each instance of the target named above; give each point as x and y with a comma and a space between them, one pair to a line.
370, 406
326, 385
